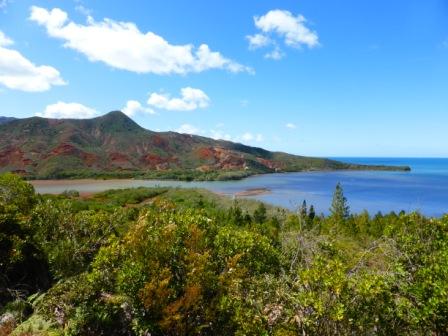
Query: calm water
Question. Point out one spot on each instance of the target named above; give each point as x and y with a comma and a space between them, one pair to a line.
425, 188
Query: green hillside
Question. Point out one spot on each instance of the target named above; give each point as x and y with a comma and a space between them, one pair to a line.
115, 146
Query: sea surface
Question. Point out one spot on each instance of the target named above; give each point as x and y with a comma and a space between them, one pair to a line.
423, 189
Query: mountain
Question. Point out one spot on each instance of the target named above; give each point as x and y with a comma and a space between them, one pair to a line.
113, 145
4, 120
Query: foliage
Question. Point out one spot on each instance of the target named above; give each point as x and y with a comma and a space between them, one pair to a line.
339, 207
185, 262
23, 268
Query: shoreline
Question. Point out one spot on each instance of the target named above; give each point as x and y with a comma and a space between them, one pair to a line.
82, 182
70, 181
253, 192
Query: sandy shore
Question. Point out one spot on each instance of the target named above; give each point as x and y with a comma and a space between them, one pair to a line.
46, 183
78, 185
253, 192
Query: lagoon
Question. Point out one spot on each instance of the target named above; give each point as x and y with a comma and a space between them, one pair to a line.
424, 188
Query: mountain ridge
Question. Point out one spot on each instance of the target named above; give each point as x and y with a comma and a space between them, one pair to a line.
113, 145
4, 120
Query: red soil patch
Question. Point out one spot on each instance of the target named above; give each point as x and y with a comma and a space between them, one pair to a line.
154, 161
64, 149
68, 149
160, 142
89, 158
118, 157
269, 163
206, 153
222, 159
13, 156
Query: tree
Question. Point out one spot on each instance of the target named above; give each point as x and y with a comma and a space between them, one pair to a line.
23, 267
260, 214
16, 195
311, 213
235, 214
303, 211
339, 207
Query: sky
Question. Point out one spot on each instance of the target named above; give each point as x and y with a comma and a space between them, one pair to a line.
309, 77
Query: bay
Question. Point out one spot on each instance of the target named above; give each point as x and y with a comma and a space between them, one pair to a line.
424, 188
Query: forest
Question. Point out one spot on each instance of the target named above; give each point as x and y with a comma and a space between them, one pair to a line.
161, 261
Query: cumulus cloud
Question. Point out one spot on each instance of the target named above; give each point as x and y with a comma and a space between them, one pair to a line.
5, 40
282, 24
249, 137
190, 99
83, 10
291, 126
134, 107
188, 129
19, 73
62, 110
220, 135
258, 40
122, 45
291, 28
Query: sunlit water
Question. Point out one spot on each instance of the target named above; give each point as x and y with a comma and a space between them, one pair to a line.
425, 188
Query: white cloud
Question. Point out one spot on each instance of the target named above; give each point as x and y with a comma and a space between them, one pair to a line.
281, 24
62, 110
249, 137
188, 129
134, 107
258, 40
5, 40
220, 135
291, 126
19, 73
83, 10
191, 99
291, 28
275, 54
122, 45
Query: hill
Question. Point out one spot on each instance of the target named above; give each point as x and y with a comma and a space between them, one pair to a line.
114, 145
4, 120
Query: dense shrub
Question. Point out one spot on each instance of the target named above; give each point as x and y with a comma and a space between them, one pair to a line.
177, 262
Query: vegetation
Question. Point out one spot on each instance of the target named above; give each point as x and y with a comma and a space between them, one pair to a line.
339, 207
186, 262
114, 146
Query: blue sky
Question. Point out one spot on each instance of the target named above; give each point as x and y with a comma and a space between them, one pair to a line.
322, 78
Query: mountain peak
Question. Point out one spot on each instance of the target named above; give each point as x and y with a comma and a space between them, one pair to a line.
117, 120
115, 114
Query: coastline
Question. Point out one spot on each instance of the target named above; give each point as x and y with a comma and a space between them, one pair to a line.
111, 178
